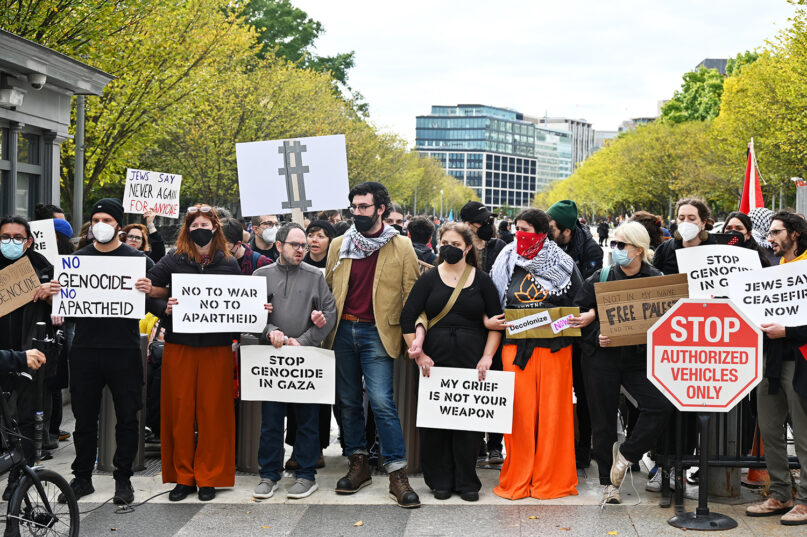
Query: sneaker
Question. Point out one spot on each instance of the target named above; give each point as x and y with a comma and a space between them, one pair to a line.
265, 489
619, 467
180, 492
611, 495
401, 491
769, 507
302, 488
495, 457
124, 492
796, 516
63, 436
82, 486
358, 475
654, 483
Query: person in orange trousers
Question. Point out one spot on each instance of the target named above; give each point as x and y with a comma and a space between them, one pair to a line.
534, 273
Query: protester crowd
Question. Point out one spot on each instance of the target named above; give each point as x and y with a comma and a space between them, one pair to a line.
389, 286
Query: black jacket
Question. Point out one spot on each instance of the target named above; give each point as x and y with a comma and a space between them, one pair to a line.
602, 229
664, 257
11, 361
18, 328
424, 253
173, 263
490, 253
584, 250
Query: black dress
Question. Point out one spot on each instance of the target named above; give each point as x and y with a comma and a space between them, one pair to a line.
458, 340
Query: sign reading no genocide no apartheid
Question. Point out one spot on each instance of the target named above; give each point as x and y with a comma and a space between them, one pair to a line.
290, 374
152, 191
218, 303
710, 267
772, 295
278, 176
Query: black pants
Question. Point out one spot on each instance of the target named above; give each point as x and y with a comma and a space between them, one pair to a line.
91, 370
582, 445
448, 459
604, 373
324, 426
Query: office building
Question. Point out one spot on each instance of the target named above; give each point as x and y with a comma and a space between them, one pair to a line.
582, 135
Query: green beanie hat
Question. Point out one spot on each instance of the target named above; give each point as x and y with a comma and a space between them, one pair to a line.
564, 213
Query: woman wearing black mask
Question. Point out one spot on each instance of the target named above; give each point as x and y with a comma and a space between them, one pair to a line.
197, 370
739, 225
457, 338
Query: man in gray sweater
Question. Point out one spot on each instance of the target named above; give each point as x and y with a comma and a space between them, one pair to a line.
303, 313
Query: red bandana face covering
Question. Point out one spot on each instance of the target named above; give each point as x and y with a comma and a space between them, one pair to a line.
529, 244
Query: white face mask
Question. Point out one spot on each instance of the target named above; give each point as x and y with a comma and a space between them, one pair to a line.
269, 235
103, 232
688, 231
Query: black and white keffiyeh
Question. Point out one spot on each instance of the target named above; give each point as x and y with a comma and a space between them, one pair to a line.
761, 218
357, 246
552, 269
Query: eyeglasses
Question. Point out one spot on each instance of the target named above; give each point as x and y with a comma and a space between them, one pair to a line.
204, 208
268, 224
297, 245
135, 238
775, 232
360, 208
619, 245
5, 239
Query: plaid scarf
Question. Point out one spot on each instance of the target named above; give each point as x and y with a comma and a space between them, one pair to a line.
551, 267
357, 246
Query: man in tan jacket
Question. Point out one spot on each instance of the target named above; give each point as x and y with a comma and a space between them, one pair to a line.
371, 270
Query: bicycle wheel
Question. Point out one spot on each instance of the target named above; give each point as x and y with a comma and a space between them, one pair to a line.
28, 514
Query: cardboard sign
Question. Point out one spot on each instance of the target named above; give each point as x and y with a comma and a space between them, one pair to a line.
278, 176
289, 374
772, 295
154, 191
18, 285
424, 267
45, 239
99, 286
454, 398
628, 308
218, 303
709, 267
532, 316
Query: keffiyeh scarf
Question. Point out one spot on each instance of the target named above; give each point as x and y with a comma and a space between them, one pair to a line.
357, 246
552, 269
761, 221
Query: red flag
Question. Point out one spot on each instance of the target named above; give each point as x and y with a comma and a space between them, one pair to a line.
752, 192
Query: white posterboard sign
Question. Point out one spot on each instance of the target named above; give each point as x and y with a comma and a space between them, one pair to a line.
772, 295
45, 239
218, 303
455, 398
710, 267
278, 176
290, 374
155, 191
99, 286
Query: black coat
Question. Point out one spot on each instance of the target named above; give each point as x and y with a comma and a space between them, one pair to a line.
664, 257
584, 250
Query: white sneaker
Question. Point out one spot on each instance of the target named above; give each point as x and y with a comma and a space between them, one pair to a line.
619, 467
265, 489
611, 495
654, 483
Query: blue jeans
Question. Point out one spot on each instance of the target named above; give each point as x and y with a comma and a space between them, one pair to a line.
306, 446
358, 351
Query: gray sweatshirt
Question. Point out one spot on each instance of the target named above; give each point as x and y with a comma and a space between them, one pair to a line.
295, 292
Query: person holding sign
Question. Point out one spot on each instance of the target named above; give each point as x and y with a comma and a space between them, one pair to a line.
145, 238
298, 289
455, 297
533, 272
783, 390
739, 225
197, 371
607, 368
694, 220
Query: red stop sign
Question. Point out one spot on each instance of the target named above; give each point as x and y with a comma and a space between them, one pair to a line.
704, 355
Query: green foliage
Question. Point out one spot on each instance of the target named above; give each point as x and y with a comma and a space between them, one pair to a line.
697, 100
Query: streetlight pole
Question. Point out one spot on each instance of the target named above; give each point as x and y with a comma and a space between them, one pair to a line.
441, 204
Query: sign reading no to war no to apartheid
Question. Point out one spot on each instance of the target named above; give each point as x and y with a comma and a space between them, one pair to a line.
627, 308
45, 239
290, 374
710, 267
455, 398
99, 286
773, 295
152, 191
218, 303
18, 285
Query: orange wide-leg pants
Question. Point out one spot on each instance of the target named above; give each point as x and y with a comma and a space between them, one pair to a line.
197, 395
540, 450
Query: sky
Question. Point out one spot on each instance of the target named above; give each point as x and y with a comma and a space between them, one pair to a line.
587, 59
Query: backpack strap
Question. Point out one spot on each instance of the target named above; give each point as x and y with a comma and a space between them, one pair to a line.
604, 273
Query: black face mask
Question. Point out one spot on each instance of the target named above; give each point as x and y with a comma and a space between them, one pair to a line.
451, 254
737, 238
201, 236
400, 229
485, 232
364, 223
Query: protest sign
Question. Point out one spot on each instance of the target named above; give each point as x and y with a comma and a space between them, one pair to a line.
561, 324
218, 303
99, 286
455, 398
278, 176
152, 191
529, 323
290, 374
772, 295
627, 308
18, 285
708, 267
45, 239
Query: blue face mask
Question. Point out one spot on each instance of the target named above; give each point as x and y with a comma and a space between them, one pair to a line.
12, 251
621, 257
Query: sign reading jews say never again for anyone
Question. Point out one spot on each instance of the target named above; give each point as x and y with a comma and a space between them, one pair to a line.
278, 176
772, 295
455, 398
99, 286
218, 303
710, 267
18, 285
45, 239
152, 191
290, 374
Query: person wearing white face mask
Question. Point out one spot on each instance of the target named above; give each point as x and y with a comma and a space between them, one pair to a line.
264, 229
694, 220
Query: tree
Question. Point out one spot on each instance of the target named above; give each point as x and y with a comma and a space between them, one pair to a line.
697, 100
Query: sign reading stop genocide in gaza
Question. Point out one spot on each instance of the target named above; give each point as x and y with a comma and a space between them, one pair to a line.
704, 355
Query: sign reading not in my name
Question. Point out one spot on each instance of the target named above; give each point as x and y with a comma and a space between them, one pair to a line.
18, 285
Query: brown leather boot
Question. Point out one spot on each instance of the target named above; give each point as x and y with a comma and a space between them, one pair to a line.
358, 475
401, 491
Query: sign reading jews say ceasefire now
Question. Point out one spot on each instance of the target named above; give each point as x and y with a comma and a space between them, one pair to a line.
704, 355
